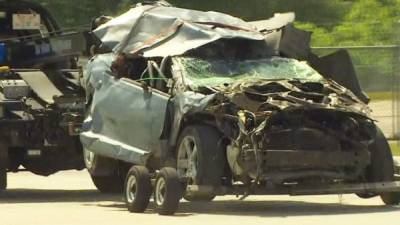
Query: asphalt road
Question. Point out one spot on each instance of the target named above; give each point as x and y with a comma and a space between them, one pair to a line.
70, 198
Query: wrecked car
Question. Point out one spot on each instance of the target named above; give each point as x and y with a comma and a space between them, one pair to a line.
208, 104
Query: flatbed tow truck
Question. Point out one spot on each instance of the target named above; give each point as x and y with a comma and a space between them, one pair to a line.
41, 99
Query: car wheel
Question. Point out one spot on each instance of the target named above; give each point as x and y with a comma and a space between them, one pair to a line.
200, 156
382, 167
200, 159
104, 172
137, 189
3, 166
366, 195
199, 198
167, 191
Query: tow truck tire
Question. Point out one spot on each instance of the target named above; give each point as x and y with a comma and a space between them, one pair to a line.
137, 191
104, 172
167, 191
3, 166
382, 167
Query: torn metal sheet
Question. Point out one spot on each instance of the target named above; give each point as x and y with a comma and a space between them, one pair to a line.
278, 21
118, 105
167, 31
295, 43
102, 64
186, 103
338, 66
105, 146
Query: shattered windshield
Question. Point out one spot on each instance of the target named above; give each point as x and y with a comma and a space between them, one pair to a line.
200, 72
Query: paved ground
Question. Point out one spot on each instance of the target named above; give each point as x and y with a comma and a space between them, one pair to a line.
69, 198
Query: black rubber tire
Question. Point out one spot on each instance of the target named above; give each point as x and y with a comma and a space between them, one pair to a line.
210, 154
3, 166
108, 184
366, 195
105, 174
142, 189
382, 167
200, 198
171, 191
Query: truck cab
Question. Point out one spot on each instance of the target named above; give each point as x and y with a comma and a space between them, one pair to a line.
41, 99
31, 38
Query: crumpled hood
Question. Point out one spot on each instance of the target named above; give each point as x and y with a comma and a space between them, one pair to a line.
262, 96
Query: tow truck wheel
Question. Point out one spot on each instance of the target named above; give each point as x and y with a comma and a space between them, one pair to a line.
104, 172
382, 167
167, 191
3, 166
137, 189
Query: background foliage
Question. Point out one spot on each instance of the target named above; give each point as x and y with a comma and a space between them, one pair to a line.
334, 22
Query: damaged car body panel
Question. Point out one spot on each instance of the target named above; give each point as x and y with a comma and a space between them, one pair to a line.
113, 135
273, 113
168, 31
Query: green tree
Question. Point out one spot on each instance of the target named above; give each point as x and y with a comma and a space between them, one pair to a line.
334, 22
370, 22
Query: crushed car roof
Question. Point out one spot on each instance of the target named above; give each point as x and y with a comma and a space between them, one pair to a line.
168, 31
161, 31
278, 21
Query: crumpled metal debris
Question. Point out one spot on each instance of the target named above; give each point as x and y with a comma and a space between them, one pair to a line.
168, 31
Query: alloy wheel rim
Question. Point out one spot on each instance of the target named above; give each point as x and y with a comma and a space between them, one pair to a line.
187, 160
89, 157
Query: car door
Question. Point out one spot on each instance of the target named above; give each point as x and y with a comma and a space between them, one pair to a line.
127, 118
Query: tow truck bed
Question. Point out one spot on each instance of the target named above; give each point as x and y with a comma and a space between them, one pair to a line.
299, 190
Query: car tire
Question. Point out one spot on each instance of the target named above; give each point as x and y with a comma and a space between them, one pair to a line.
366, 195
200, 156
199, 198
382, 167
167, 191
3, 166
137, 190
108, 184
104, 172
